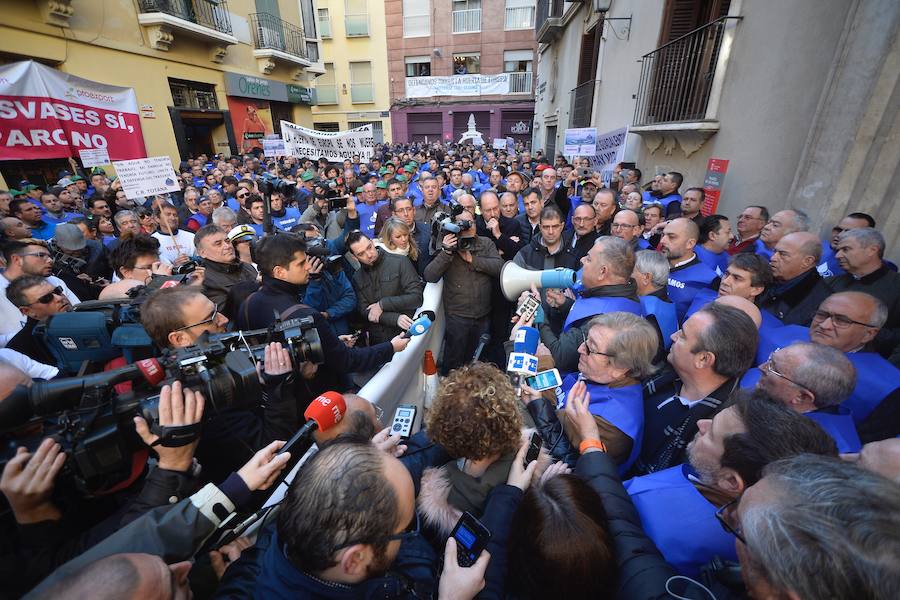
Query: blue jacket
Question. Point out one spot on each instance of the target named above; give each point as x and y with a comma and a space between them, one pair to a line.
685, 282
332, 294
716, 262
290, 218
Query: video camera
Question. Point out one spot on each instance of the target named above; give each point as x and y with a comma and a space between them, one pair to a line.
443, 224
318, 247
186, 267
270, 184
93, 422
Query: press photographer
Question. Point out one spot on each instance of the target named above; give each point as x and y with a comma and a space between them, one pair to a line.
79, 262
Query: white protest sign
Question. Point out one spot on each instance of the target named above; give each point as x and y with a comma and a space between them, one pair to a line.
610, 152
332, 145
581, 141
94, 157
146, 176
499, 144
274, 147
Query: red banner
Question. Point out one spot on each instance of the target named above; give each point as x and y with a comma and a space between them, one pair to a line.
45, 113
712, 185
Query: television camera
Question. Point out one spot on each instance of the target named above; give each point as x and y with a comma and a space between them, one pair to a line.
443, 224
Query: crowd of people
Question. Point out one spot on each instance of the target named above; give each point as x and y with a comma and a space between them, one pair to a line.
727, 420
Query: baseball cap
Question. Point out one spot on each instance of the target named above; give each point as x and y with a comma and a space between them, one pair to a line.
69, 237
64, 182
382, 185
76, 178
401, 178
307, 176
383, 171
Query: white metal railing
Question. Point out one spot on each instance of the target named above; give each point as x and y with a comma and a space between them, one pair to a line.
416, 25
361, 92
520, 83
357, 25
325, 28
326, 94
467, 21
519, 17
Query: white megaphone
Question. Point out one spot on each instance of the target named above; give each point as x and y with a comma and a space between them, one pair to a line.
514, 279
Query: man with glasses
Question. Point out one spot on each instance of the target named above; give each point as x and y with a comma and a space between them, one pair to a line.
626, 226
25, 257
849, 321
37, 299
749, 225
678, 505
581, 237
177, 317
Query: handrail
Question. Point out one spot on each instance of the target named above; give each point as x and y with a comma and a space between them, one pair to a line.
689, 33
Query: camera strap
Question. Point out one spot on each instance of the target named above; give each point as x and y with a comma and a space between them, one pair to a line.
176, 436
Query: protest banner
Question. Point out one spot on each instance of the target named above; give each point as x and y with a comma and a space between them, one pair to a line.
274, 147
457, 85
146, 176
712, 185
580, 142
94, 158
333, 145
610, 152
45, 113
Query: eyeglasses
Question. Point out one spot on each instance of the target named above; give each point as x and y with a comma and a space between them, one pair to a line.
41, 255
588, 350
840, 321
769, 367
623, 226
211, 319
411, 530
49, 296
243, 195
726, 516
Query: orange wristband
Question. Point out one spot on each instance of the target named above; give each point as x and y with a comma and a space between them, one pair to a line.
590, 443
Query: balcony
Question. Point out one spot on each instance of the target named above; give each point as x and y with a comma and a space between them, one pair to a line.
276, 40
357, 25
467, 21
362, 93
519, 17
581, 112
549, 20
326, 94
206, 20
520, 83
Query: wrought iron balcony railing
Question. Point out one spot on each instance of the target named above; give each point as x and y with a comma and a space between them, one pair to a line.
208, 13
272, 33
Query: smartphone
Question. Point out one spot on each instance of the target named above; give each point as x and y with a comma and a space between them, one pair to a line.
471, 538
404, 419
528, 308
544, 380
534, 449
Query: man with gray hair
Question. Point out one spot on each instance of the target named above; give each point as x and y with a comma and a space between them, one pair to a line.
779, 225
796, 293
224, 218
813, 380
815, 527
860, 253
651, 274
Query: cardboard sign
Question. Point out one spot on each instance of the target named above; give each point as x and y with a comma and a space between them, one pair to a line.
500, 143
144, 177
94, 158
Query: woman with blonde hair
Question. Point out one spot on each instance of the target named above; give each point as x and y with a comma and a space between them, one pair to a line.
396, 238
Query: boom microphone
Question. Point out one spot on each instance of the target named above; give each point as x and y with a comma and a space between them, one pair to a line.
514, 279
322, 414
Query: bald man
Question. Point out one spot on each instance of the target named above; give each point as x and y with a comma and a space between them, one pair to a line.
743, 305
626, 225
796, 293
687, 273
360, 419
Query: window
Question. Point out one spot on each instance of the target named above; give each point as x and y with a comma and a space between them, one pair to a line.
361, 89
324, 24
326, 90
418, 66
416, 18
191, 94
519, 14
307, 13
466, 16
466, 64
518, 63
356, 18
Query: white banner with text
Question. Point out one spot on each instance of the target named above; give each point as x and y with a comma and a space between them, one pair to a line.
457, 85
332, 145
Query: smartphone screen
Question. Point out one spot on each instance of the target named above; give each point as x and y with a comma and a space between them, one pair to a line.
543, 380
471, 538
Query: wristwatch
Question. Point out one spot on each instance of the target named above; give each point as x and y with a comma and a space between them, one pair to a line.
591, 443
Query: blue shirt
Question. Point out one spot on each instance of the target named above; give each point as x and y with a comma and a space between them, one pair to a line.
368, 213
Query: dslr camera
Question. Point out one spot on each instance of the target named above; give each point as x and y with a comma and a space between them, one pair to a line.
443, 224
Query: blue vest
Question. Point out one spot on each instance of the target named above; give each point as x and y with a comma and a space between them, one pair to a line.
716, 262
591, 307
201, 219
760, 248
679, 520
258, 228
367, 216
838, 425
685, 283
771, 339
829, 264
623, 407
664, 313
291, 217
232, 203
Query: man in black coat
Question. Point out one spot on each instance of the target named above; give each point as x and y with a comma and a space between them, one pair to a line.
796, 293
503, 231
582, 236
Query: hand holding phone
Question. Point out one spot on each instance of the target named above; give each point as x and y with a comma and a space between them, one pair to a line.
471, 538
534, 449
544, 380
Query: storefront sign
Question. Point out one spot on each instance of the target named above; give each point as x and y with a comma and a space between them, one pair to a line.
94, 158
45, 113
299, 94
712, 185
457, 85
249, 86
335, 146
146, 176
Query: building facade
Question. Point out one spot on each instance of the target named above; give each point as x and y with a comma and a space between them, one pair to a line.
353, 90
455, 59
799, 97
209, 76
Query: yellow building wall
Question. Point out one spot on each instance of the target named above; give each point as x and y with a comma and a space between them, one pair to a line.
340, 51
105, 43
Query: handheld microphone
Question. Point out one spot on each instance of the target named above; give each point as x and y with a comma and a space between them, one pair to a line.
482, 342
523, 360
322, 414
421, 324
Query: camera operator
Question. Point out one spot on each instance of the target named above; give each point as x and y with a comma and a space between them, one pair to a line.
327, 209
283, 261
81, 263
469, 273
38, 300
329, 290
24, 257
223, 269
388, 289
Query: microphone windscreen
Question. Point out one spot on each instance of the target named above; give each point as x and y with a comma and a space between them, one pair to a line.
527, 340
326, 410
420, 326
